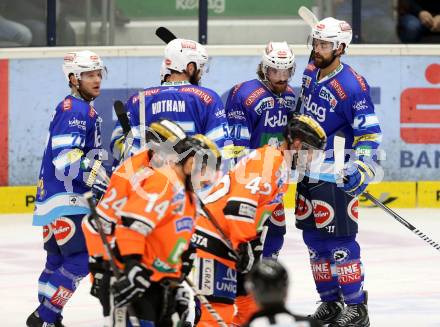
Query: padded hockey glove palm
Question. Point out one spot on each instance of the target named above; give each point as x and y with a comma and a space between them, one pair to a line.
132, 284
249, 253
356, 176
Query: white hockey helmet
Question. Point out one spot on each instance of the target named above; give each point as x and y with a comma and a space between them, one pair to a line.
82, 61
278, 55
180, 52
164, 71
333, 30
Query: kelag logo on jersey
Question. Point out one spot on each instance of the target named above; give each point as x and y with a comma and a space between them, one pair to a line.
420, 111
279, 120
318, 112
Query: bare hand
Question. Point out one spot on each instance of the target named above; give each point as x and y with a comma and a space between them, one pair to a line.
426, 19
436, 24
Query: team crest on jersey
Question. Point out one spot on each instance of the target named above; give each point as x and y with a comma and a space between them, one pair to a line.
303, 207
264, 104
306, 81
341, 254
338, 88
325, 94
184, 224
67, 104
254, 96
323, 212
63, 229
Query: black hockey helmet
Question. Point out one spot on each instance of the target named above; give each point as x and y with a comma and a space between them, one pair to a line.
307, 130
203, 146
268, 283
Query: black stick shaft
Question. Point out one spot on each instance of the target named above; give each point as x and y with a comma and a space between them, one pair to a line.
405, 223
89, 197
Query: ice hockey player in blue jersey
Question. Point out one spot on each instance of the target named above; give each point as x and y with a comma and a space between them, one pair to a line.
257, 112
70, 165
336, 96
198, 110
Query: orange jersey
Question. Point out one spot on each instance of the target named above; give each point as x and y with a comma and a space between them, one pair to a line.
125, 179
241, 202
157, 223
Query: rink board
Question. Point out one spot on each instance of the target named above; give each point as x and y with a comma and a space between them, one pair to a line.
426, 194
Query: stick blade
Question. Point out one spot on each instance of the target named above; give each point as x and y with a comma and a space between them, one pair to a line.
307, 15
165, 34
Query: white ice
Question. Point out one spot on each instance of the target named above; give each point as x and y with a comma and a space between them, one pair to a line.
402, 271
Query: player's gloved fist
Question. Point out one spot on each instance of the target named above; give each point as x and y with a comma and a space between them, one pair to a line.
98, 188
248, 253
188, 257
132, 284
182, 299
100, 271
356, 177
108, 227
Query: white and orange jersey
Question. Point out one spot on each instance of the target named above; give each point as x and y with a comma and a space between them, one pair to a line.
157, 222
241, 202
125, 179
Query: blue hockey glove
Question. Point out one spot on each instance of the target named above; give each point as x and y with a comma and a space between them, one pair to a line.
357, 175
132, 284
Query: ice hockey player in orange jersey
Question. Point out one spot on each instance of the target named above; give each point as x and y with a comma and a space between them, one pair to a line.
240, 203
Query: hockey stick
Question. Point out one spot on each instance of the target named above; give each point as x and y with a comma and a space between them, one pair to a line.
310, 19
165, 34
89, 197
413, 229
121, 114
206, 303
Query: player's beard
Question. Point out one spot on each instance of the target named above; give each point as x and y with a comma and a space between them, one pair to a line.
278, 87
322, 62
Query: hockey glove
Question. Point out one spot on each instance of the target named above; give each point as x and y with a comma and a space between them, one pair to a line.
132, 284
188, 257
248, 254
100, 271
182, 299
356, 177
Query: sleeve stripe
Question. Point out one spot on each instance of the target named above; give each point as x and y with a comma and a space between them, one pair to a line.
67, 158
216, 134
369, 121
64, 141
240, 218
245, 200
138, 217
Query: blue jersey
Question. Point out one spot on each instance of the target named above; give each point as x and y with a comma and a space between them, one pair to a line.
341, 103
74, 134
196, 109
256, 116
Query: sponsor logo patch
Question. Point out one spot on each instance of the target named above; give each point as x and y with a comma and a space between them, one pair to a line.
360, 105
61, 296
322, 271
341, 255
324, 93
184, 224
47, 233
323, 212
67, 104
352, 209
63, 229
338, 88
254, 96
264, 104
349, 273
360, 80
306, 81
303, 208
205, 97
